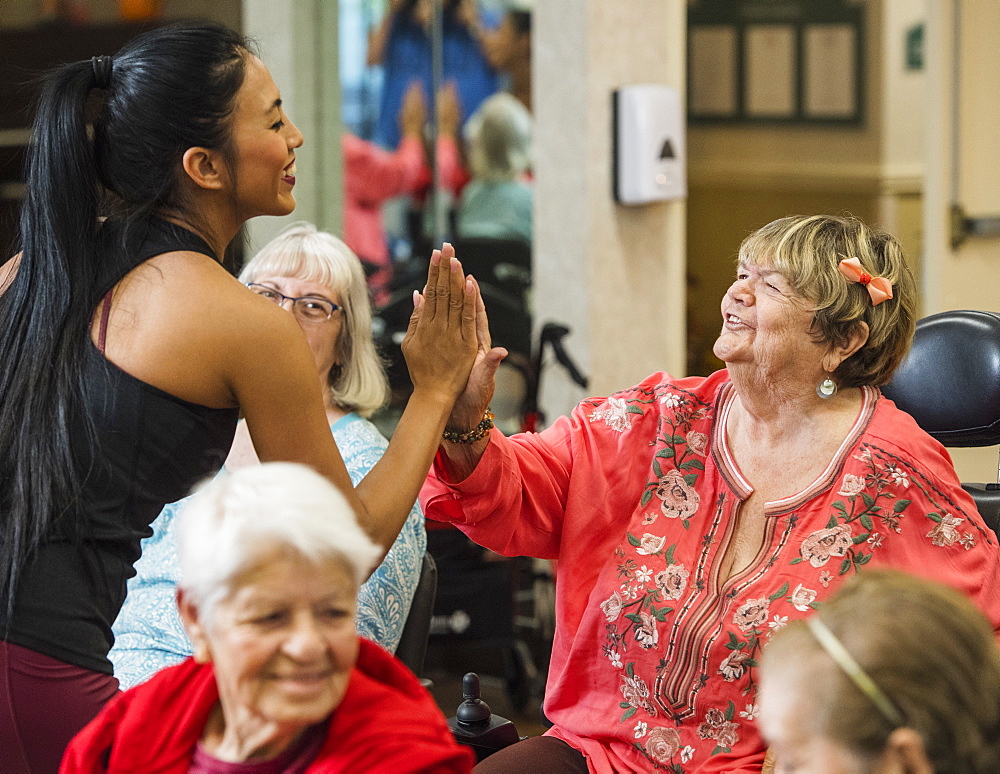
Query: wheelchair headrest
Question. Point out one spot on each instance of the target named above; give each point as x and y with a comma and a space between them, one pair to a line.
950, 381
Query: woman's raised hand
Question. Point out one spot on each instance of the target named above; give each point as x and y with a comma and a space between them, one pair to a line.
442, 340
478, 392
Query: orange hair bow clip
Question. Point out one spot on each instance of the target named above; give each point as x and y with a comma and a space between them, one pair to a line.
879, 288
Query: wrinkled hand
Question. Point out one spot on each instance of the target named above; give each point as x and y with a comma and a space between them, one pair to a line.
475, 399
442, 340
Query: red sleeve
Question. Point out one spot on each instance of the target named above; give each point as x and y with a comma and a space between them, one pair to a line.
373, 175
946, 538
453, 174
515, 500
388, 722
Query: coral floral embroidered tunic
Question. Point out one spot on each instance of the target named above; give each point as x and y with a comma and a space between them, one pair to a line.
654, 663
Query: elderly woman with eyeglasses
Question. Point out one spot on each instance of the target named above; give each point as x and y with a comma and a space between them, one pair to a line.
693, 517
271, 558
893, 674
315, 277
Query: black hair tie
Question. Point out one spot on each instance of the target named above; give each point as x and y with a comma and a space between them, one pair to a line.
102, 66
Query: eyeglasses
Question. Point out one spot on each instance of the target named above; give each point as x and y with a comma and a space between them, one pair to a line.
309, 308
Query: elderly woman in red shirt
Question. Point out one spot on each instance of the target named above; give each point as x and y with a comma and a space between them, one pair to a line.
692, 518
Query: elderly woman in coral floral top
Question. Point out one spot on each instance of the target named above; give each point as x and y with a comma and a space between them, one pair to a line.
692, 518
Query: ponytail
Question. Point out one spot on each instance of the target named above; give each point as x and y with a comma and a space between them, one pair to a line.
43, 319
168, 90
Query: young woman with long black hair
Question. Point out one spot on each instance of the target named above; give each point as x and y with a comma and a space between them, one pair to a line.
129, 352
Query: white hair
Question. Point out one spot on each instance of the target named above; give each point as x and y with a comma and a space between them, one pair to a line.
499, 138
236, 519
359, 382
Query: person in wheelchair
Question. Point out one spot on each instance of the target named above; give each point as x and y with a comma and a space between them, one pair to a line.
318, 280
854, 688
271, 558
692, 518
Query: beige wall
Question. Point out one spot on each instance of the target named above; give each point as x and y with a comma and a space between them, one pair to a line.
966, 120
742, 177
614, 274
298, 42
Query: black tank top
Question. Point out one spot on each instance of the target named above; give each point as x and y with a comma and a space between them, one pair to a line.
151, 449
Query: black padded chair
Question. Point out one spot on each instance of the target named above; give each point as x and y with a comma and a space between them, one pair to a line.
503, 263
950, 384
412, 646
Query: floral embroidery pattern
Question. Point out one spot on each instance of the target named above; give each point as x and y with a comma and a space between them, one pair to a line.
824, 544
732, 666
752, 620
802, 598
616, 414
868, 497
672, 581
719, 726
650, 544
681, 448
638, 602
662, 744
945, 532
680, 500
635, 694
837, 540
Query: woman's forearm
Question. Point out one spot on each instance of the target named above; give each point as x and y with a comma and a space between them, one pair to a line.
461, 459
392, 485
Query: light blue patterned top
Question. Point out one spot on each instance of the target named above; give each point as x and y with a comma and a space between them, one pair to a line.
148, 631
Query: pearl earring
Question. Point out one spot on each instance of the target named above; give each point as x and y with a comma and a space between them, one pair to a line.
826, 388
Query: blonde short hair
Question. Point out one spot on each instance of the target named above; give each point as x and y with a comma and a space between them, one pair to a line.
928, 649
807, 250
359, 382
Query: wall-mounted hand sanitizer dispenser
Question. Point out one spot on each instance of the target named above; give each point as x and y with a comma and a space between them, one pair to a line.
649, 159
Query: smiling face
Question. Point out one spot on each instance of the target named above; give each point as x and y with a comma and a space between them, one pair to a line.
766, 324
323, 336
264, 143
283, 642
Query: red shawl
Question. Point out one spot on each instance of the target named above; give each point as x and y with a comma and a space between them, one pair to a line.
386, 722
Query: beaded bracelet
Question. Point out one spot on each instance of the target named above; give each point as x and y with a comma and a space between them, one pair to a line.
471, 436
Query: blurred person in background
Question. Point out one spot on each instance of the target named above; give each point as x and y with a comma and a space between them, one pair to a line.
497, 202
401, 44
508, 50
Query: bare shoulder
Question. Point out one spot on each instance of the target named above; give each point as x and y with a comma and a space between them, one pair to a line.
184, 324
8, 271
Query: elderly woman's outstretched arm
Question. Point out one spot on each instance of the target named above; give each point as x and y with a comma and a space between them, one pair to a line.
461, 459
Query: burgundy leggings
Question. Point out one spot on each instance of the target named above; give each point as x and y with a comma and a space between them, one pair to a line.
43, 703
535, 755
